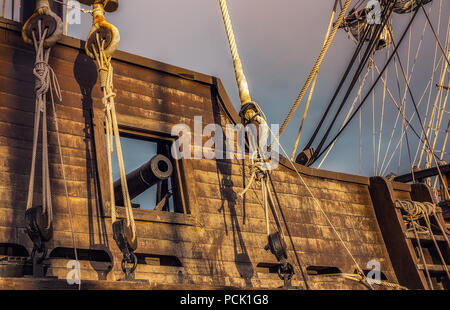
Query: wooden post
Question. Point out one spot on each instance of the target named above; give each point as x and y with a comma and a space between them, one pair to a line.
443, 186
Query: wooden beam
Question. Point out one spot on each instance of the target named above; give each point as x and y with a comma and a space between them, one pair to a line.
423, 174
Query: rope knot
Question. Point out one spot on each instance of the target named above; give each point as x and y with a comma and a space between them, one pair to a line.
41, 71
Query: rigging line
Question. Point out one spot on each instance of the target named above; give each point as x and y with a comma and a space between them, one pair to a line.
403, 115
382, 114
316, 66
404, 94
267, 194
74, 7
355, 56
409, 150
403, 103
373, 86
432, 113
357, 5
266, 191
244, 92
432, 74
358, 96
51, 83
440, 108
304, 274
397, 118
436, 36
439, 121
438, 125
370, 48
402, 135
417, 112
317, 202
400, 111
330, 24
63, 170
373, 125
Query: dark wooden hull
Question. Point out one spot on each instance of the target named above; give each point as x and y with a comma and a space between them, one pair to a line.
220, 242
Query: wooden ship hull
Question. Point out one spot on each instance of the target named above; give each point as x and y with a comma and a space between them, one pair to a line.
218, 239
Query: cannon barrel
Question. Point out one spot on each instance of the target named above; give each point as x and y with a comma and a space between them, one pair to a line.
157, 169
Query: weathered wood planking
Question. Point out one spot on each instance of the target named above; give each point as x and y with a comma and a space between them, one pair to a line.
223, 240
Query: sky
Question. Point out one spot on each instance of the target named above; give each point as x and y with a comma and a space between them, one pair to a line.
279, 42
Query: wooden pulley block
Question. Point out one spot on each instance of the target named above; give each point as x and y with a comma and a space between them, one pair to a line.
49, 21
37, 225
110, 5
104, 34
123, 236
102, 31
277, 246
305, 157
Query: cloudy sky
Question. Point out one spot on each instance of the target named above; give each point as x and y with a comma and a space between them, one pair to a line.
279, 42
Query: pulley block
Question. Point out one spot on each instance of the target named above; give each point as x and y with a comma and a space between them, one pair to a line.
48, 21
40, 230
38, 227
245, 108
104, 35
277, 246
124, 237
305, 157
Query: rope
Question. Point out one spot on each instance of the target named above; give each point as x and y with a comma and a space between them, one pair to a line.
102, 55
258, 173
311, 92
317, 202
316, 67
358, 96
433, 112
433, 71
416, 211
369, 52
417, 111
435, 35
43, 83
47, 82
371, 89
244, 93
358, 278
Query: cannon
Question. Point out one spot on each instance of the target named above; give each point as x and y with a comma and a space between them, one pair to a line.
157, 169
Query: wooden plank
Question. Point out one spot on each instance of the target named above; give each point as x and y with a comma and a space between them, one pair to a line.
399, 250
423, 174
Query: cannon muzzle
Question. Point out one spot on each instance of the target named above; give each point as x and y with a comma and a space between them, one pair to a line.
157, 169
